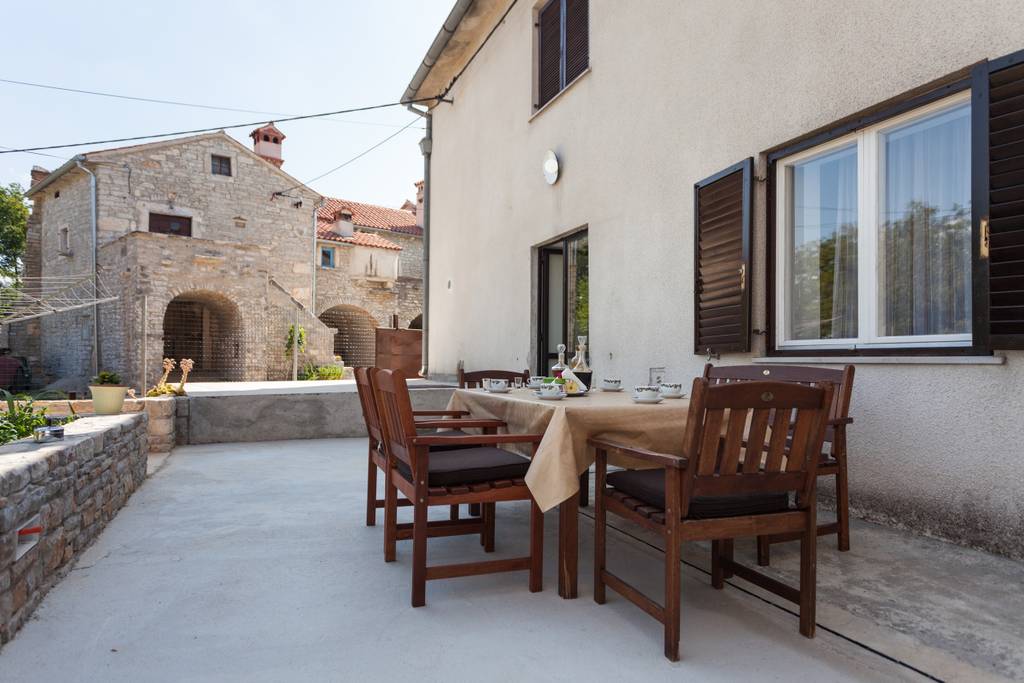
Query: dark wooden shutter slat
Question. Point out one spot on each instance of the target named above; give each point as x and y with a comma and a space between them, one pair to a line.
998, 202
721, 206
577, 38
549, 68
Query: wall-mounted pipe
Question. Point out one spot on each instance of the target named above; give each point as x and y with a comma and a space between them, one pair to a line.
95, 269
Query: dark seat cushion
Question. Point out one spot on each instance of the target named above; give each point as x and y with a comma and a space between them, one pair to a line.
649, 486
471, 466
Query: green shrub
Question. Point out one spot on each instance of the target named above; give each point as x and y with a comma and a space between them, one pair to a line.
321, 372
21, 418
106, 377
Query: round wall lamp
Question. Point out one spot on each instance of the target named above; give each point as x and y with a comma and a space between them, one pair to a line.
550, 167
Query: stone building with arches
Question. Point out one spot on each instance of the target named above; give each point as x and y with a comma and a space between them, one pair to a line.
214, 253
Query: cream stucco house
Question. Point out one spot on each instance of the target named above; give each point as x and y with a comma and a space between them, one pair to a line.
785, 182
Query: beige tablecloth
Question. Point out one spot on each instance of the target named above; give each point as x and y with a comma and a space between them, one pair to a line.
567, 424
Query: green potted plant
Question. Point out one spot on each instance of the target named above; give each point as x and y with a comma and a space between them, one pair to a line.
107, 393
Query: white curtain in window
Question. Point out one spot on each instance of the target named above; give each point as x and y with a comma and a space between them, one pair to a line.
823, 239
925, 227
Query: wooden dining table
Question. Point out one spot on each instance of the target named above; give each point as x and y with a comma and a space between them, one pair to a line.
563, 454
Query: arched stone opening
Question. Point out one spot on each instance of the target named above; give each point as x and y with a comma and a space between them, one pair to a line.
356, 339
206, 327
416, 323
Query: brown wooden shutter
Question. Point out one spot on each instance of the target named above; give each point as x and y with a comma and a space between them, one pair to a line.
721, 288
577, 37
998, 202
549, 67
170, 225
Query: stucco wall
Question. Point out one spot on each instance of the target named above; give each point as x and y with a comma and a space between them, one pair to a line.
678, 91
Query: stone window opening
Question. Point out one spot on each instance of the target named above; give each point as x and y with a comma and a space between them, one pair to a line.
326, 257
220, 165
64, 241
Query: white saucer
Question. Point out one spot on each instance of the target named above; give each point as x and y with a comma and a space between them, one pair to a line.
647, 401
557, 397
498, 391
612, 390
673, 395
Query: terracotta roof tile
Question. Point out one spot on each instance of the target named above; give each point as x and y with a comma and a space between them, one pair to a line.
369, 216
361, 239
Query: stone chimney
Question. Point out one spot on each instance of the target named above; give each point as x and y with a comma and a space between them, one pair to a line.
39, 174
266, 141
343, 222
419, 203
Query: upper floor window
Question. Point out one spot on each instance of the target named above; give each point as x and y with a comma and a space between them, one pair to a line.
220, 165
170, 225
563, 43
874, 235
326, 257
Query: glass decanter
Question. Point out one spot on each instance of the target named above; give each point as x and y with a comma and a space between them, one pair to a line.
557, 368
579, 361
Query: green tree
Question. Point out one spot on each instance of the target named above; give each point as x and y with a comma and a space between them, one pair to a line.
13, 218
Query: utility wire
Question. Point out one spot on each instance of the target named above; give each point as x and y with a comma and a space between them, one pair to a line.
349, 161
176, 103
216, 128
41, 154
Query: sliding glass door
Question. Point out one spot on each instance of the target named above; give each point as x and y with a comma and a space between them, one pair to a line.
563, 307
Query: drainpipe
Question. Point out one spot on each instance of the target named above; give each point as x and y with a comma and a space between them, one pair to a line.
95, 268
433, 53
312, 296
425, 146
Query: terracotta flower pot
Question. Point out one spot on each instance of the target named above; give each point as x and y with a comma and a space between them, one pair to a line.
108, 399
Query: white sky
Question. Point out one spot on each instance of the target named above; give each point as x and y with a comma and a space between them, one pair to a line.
299, 57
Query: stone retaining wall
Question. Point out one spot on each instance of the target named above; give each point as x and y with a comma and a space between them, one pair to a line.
71, 489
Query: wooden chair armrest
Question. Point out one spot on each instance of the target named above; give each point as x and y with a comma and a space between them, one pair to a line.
479, 439
663, 459
447, 413
457, 423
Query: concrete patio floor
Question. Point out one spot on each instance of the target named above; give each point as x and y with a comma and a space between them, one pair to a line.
251, 562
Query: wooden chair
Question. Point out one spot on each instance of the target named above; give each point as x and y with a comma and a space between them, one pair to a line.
474, 380
722, 489
833, 457
483, 474
376, 457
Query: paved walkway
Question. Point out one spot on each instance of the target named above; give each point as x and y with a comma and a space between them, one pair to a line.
251, 562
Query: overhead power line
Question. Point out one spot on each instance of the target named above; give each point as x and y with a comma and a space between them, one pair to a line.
349, 161
41, 154
216, 128
177, 103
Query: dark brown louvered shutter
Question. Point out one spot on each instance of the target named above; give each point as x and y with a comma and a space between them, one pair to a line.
998, 202
549, 67
577, 39
721, 292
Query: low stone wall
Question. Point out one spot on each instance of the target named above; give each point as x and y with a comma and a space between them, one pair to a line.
70, 489
162, 413
279, 417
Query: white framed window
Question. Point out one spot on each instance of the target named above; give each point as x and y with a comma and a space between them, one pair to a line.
873, 235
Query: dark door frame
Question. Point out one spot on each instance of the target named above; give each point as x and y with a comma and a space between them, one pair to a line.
546, 359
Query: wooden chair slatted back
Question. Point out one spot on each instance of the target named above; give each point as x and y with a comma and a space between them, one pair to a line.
397, 420
842, 379
473, 380
368, 402
743, 441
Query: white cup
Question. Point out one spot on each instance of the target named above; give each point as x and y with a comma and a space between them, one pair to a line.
497, 385
536, 381
613, 384
551, 389
647, 391
671, 389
